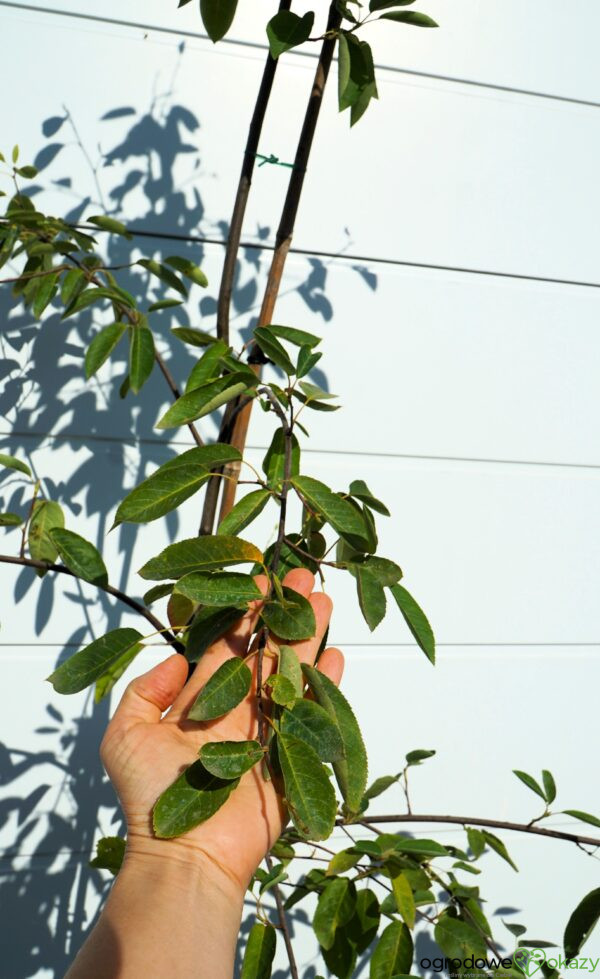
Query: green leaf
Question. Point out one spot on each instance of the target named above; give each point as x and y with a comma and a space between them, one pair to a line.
393, 953
73, 283
187, 268
260, 952
416, 621
217, 17
351, 770
585, 817
47, 514
375, 5
293, 620
209, 625
476, 841
106, 682
308, 790
499, 847
28, 172
380, 785
190, 800
418, 755
360, 491
549, 786
164, 274
356, 75
203, 400
274, 461
207, 553
110, 851
282, 690
209, 366
340, 514
173, 482
156, 592
80, 556
45, 291
10, 520
225, 689
530, 782
371, 596
405, 901
230, 759
421, 848
244, 512
164, 304
581, 924
90, 663
306, 361
15, 153
271, 347
410, 17
342, 861
221, 588
196, 338
289, 666
458, 940
286, 30
309, 722
110, 224
335, 907
179, 610
9, 462
300, 338
141, 356
102, 346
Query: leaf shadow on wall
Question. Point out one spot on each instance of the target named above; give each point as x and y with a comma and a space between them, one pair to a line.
88, 446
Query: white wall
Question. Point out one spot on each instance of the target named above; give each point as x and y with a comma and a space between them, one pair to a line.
455, 227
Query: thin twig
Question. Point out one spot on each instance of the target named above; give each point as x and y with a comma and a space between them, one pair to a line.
284, 925
115, 592
371, 821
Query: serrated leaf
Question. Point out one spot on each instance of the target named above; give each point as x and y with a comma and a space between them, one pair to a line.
457, 939
300, 338
309, 722
410, 17
371, 596
225, 689
416, 621
335, 907
190, 800
308, 790
9, 462
244, 512
89, 664
47, 514
351, 770
581, 924
230, 759
530, 782
289, 666
585, 817
110, 851
282, 690
217, 17
549, 786
102, 346
110, 224
287, 30
393, 953
80, 556
209, 625
337, 512
220, 588
271, 347
360, 491
141, 356
498, 846
293, 620
203, 400
173, 482
259, 953
209, 553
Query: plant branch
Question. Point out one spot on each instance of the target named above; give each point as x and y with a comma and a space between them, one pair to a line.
285, 231
284, 925
115, 592
370, 821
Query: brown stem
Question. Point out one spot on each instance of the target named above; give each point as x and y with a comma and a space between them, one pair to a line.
371, 822
284, 925
115, 592
285, 231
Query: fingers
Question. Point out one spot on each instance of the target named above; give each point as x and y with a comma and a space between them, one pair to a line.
149, 695
331, 663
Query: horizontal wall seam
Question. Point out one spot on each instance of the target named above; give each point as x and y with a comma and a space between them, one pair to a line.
255, 45
174, 443
353, 645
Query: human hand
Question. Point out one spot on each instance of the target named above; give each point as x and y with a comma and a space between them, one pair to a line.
143, 751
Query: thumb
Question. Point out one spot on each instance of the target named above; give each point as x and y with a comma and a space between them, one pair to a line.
149, 695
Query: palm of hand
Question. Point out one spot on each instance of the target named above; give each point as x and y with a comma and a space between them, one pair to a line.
143, 753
